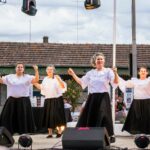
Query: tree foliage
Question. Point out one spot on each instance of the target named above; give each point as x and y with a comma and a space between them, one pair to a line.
73, 93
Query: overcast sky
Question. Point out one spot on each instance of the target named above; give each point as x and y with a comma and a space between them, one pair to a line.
67, 21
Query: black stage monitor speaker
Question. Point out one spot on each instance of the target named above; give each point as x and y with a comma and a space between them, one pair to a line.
85, 138
29, 7
6, 138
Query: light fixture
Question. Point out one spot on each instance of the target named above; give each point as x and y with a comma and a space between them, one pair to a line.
92, 4
141, 141
25, 141
29, 7
3, 1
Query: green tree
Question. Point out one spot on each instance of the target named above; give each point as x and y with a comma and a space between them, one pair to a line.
73, 93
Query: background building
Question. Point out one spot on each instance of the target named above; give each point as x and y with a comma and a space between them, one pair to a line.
63, 56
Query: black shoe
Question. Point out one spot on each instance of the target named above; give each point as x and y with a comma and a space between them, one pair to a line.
112, 139
58, 135
49, 136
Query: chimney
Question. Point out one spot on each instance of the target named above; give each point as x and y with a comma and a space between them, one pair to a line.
45, 39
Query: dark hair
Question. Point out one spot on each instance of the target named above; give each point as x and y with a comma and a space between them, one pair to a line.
20, 63
143, 66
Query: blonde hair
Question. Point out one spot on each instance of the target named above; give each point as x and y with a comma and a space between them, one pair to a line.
94, 57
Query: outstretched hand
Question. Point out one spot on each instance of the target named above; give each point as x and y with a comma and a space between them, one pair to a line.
75, 77
114, 69
116, 79
70, 71
35, 67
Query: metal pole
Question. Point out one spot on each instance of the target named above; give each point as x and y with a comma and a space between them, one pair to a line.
29, 30
114, 58
134, 50
77, 22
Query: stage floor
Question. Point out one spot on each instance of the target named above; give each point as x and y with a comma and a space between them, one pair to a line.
124, 141
40, 142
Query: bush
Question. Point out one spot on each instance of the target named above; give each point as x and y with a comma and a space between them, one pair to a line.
73, 93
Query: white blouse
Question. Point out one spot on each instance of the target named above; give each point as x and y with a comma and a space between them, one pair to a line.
18, 86
141, 87
50, 88
98, 81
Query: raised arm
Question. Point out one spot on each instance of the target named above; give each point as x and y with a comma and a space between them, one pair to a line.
37, 85
1, 81
61, 83
75, 77
36, 79
116, 78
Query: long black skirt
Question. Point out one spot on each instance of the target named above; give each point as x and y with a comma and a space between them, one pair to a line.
17, 115
138, 118
97, 112
54, 113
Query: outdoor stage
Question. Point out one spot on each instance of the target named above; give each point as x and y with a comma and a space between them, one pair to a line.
124, 141
41, 143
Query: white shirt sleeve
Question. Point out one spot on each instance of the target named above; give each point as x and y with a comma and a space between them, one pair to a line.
85, 80
148, 79
126, 84
42, 90
5, 79
51, 88
30, 78
42, 85
111, 78
122, 84
18, 86
64, 89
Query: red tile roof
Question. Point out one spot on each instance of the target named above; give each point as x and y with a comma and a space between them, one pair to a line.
68, 54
